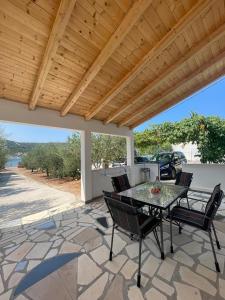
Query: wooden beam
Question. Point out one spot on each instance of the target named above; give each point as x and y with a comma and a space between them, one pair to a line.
168, 72
61, 20
196, 10
137, 9
174, 68
170, 103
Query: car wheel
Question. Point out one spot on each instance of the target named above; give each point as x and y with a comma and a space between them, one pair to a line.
173, 174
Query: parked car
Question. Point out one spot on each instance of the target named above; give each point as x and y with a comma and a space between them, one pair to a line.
120, 162
170, 163
141, 160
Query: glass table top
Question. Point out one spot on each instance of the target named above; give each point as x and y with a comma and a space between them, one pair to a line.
169, 194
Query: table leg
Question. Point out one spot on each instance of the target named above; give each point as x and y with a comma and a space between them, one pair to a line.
161, 232
171, 232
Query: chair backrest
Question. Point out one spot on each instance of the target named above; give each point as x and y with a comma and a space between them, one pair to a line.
213, 204
123, 214
120, 183
184, 179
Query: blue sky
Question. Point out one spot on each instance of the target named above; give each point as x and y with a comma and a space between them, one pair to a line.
209, 101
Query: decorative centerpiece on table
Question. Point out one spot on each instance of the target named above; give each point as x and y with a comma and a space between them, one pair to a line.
157, 186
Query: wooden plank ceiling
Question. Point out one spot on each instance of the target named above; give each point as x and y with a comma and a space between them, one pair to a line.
119, 61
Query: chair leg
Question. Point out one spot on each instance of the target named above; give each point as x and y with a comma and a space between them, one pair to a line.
217, 241
180, 228
214, 253
188, 203
171, 236
110, 254
139, 264
157, 239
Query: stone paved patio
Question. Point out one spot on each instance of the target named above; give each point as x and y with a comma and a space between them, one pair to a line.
65, 256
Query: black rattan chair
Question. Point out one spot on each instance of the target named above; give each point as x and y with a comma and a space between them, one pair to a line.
120, 183
198, 219
184, 179
128, 220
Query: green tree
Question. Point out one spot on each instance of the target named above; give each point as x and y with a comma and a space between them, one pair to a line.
71, 157
107, 148
3, 151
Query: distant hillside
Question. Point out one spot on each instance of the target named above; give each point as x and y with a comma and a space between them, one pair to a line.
17, 147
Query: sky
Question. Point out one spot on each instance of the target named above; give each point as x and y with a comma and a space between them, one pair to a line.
209, 101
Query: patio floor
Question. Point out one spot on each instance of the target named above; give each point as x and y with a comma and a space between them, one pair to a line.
66, 257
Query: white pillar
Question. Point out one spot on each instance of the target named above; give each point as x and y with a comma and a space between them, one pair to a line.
130, 158
86, 171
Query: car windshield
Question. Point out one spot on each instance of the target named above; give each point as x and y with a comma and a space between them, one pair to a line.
162, 157
140, 159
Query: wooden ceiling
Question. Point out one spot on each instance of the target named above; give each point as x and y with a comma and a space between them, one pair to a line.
119, 61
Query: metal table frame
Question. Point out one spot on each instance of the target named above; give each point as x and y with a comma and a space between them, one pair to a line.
159, 211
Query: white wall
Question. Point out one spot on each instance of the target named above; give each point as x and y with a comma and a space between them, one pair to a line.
206, 176
102, 178
17, 112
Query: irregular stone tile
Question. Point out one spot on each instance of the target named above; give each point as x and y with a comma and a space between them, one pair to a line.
86, 235
67, 222
7, 270
167, 268
42, 238
192, 248
222, 287
183, 258
129, 269
51, 253
116, 264
187, 292
21, 239
87, 270
57, 243
197, 238
118, 243
20, 252
181, 239
32, 264
85, 219
39, 250
68, 247
21, 266
203, 235
206, 272
95, 291
151, 265
134, 293
47, 225
58, 285
151, 245
1, 285
115, 291
14, 280
92, 244
162, 286
207, 260
70, 232
209, 247
154, 294
101, 254
132, 250
6, 295
10, 250
21, 297
196, 280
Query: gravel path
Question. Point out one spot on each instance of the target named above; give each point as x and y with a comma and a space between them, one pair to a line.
21, 196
